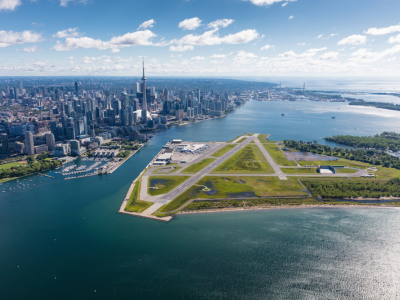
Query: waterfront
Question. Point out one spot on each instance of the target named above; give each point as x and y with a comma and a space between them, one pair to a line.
70, 230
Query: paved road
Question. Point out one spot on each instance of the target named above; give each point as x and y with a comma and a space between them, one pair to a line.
277, 170
166, 198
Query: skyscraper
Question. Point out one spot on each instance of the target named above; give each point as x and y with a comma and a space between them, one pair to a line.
5, 147
50, 141
76, 89
21, 88
29, 146
144, 90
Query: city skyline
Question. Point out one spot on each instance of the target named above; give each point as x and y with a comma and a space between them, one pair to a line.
199, 38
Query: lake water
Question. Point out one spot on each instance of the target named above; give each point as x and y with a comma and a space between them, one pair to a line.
70, 243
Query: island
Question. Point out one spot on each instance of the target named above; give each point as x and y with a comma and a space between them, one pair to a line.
253, 172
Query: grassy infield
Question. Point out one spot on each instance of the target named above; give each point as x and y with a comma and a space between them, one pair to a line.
193, 169
251, 161
164, 184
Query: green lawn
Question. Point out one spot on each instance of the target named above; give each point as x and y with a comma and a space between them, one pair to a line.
231, 141
173, 170
278, 156
263, 138
246, 161
386, 173
341, 162
234, 187
223, 150
10, 165
299, 170
345, 170
194, 168
159, 185
134, 204
241, 140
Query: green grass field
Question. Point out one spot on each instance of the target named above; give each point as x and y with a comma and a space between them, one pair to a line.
345, 170
341, 162
231, 141
159, 185
134, 204
386, 173
160, 171
234, 187
299, 170
246, 161
194, 168
278, 156
263, 138
10, 165
223, 150
241, 140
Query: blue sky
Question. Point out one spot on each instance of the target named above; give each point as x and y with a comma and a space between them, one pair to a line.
200, 37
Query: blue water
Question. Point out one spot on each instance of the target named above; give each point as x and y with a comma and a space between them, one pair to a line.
68, 240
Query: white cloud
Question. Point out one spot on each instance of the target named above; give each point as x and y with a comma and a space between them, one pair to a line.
291, 17
329, 55
147, 24
198, 58
130, 39
71, 58
115, 50
353, 40
302, 44
384, 30
218, 56
220, 23
363, 55
9, 4
266, 47
268, 2
89, 60
394, 39
320, 36
71, 32
181, 48
212, 38
9, 38
64, 3
30, 49
175, 55
284, 4
190, 24
244, 57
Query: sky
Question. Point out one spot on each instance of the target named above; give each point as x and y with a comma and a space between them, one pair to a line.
330, 38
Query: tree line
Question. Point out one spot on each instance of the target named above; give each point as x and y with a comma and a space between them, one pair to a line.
370, 156
31, 167
383, 141
390, 106
353, 189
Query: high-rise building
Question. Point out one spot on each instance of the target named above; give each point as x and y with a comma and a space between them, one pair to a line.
29, 146
144, 90
71, 133
136, 88
76, 89
21, 88
50, 141
5, 147
130, 116
123, 117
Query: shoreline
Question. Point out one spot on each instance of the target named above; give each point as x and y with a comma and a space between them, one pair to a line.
284, 207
